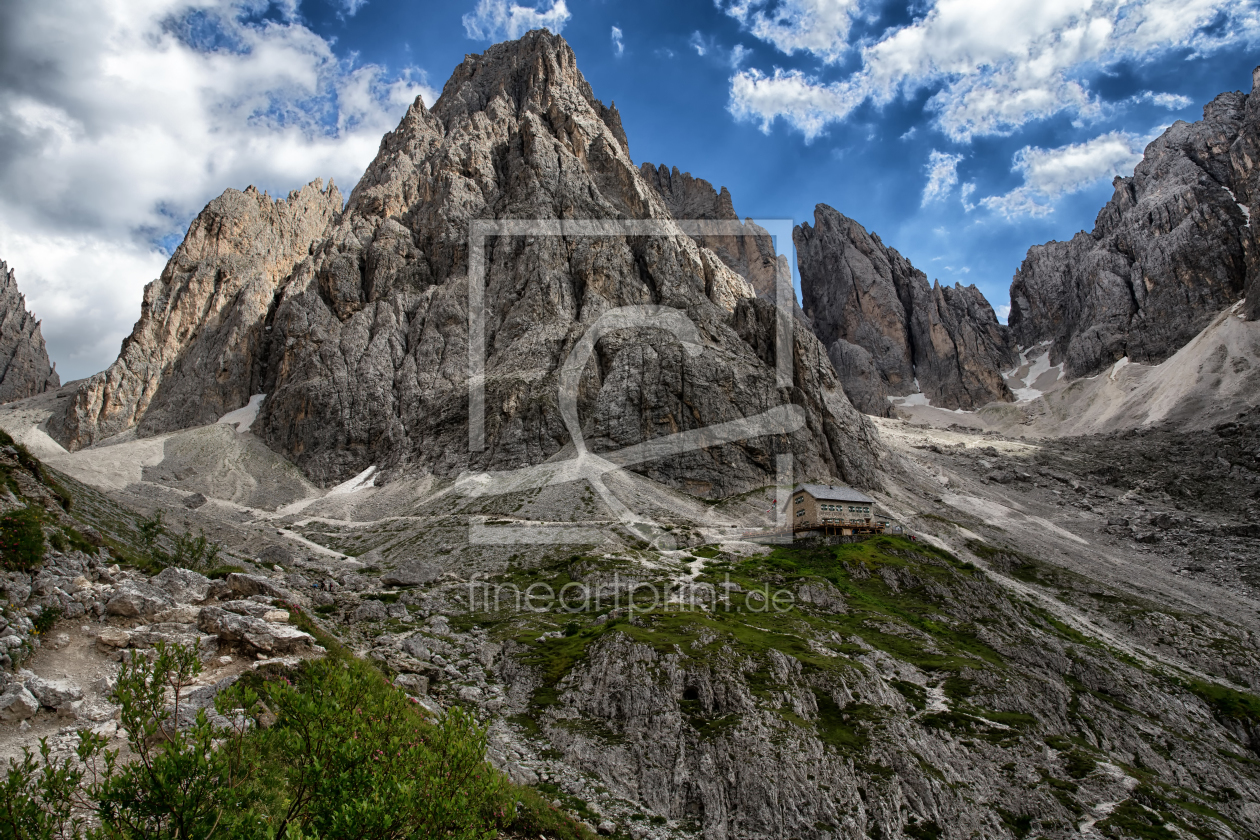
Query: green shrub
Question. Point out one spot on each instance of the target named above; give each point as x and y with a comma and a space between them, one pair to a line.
21, 540
327, 750
46, 619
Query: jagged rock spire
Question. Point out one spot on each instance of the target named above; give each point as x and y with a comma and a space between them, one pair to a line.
24, 366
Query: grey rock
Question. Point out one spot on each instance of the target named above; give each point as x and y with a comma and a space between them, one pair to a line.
370, 611
245, 586
252, 632
414, 684
223, 278
195, 501
751, 256
184, 585
1170, 249
133, 599
53, 693
364, 362
24, 366
171, 633
16, 703
894, 327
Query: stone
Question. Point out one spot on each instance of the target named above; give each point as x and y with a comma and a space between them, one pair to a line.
133, 599
16, 703
183, 614
900, 335
53, 693
369, 611
1172, 247
24, 366
246, 586
184, 585
417, 647
112, 638
413, 684
171, 633
254, 633
195, 501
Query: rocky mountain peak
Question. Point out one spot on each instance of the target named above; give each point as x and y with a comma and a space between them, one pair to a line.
887, 331
24, 366
360, 334
1171, 249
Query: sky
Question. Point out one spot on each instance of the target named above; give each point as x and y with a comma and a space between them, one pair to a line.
960, 131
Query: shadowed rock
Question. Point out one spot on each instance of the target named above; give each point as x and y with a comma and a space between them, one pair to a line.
1172, 247
885, 327
24, 367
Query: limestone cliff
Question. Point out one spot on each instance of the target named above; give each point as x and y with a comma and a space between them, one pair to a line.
24, 367
357, 325
195, 353
1171, 249
887, 331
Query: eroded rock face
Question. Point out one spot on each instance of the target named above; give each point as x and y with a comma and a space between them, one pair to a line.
750, 256
197, 350
885, 327
24, 366
359, 333
1172, 247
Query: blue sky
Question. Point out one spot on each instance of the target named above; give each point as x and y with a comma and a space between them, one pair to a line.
960, 131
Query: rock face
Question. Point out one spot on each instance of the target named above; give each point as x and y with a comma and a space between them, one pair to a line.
24, 367
887, 331
1172, 247
197, 350
750, 256
359, 334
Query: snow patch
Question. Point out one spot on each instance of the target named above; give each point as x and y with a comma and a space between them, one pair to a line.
360, 482
1117, 367
245, 416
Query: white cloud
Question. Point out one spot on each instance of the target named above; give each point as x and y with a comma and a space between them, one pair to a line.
120, 119
820, 27
964, 194
942, 170
997, 64
1052, 173
1003, 312
799, 99
1171, 101
697, 43
350, 8
499, 20
619, 46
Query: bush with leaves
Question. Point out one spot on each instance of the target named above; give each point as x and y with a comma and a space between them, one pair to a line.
329, 751
21, 540
187, 551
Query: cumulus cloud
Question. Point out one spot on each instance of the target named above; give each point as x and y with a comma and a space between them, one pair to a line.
820, 27
619, 46
498, 20
997, 64
1052, 173
942, 170
799, 99
120, 120
1171, 101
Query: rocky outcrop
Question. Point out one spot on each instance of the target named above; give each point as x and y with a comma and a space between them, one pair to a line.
887, 331
24, 367
197, 351
1170, 250
751, 256
359, 333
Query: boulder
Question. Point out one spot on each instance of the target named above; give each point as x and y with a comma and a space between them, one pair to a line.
112, 638
370, 611
244, 586
172, 633
185, 586
252, 632
413, 684
16, 703
53, 693
133, 599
